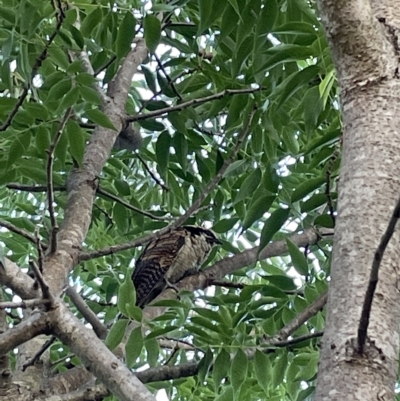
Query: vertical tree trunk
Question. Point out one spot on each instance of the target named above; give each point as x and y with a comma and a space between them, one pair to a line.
365, 53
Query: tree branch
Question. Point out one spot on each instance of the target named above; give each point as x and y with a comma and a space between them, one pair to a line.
37, 356
29, 303
195, 205
19, 282
98, 327
189, 103
161, 373
310, 311
43, 188
374, 276
128, 205
20, 232
230, 264
5, 368
37, 323
96, 357
82, 183
147, 168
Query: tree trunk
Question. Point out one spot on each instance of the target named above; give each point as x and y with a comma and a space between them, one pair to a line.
365, 54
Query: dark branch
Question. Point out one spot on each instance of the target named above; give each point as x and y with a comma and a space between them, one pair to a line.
87, 313
37, 356
38, 323
128, 205
310, 311
147, 168
373, 278
43, 285
189, 103
20, 232
42, 56
29, 303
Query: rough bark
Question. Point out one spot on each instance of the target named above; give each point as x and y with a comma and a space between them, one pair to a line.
365, 53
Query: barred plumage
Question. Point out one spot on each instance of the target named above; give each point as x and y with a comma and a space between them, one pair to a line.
169, 258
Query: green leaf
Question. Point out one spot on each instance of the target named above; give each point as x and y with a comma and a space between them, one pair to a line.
133, 346
162, 150
262, 369
150, 81
126, 295
91, 21
225, 225
325, 220
306, 187
297, 81
98, 117
205, 365
181, 149
233, 166
69, 100
221, 367
298, 258
153, 350
250, 184
282, 282
58, 90
257, 209
17, 149
227, 395
284, 53
152, 32
278, 370
90, 95
77, 140
239, 369
272, 226
126, 33
116, 333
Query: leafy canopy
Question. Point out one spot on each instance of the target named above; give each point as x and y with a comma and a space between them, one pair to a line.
216, 62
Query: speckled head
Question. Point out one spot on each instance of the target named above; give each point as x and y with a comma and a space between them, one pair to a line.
208, 234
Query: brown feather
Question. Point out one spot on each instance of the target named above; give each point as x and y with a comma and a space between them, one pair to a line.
169, 258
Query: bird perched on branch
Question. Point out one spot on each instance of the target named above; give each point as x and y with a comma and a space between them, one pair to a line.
169, 258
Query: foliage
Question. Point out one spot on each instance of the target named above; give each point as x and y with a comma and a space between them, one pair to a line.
273, 56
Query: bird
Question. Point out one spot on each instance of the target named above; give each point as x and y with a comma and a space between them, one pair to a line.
169, 258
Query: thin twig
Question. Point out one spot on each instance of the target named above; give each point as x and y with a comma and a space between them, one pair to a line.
37, 356
44, 287
38, 62
170, 82
192, 209
300, 319
296, 340
43, 188
28, 303
189, 103
87, 313
128, 205
103, 67
50, 193
33, 188
155, 95
172, 354
373, 278
20, 232
147, 168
